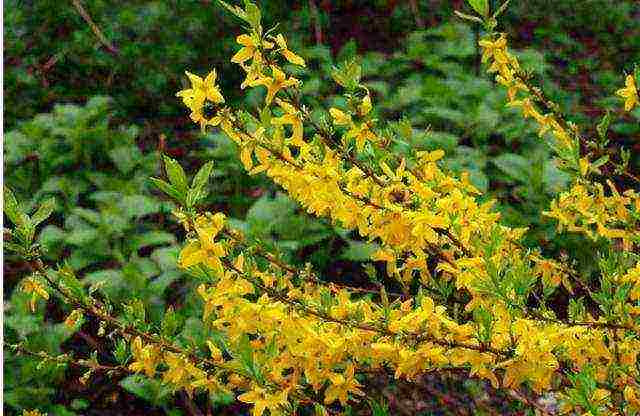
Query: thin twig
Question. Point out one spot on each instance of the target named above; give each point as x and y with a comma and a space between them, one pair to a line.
413, 4
96, 30
317, 24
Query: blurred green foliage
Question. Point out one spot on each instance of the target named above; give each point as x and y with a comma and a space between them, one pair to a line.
52, 55
95, 155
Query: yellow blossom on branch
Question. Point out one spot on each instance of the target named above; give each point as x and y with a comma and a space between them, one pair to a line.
32, 286
204, 249
250, 48
290, 56
629, 93
275, 83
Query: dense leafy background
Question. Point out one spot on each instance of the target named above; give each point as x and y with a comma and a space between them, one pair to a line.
87, 126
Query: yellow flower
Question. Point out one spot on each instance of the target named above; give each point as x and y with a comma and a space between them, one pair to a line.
494, 49
250, 48
275, 84
292, 118
584, 166
632, 398
181, 372
34, 412
146, 357
432, 156
216, 354
262, 400
32, 286
254, 71
361, 132
200, 93
205, 249
365, 106
340, 118
290, 56
74, 317
342, 385
629, 93
201, 89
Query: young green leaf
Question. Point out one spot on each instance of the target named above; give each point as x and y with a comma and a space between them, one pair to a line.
198, 188
176, 175
348, 74
169, 189
169, 322
44, 211
603, 127
253, 14
11, 207
501, 9
25, 229
480, 6
235, 10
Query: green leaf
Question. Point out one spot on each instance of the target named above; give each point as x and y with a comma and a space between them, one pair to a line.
553, 178
515, 166
79, 404
70, 282
151, 238
121, 352
253, 14
137, 206
378, 408
170, 323
603, 126
176, 175
348, 74
166, 257
82, 236
501, 9
235, 10
25, 229
359, 251
245, 356
480, 6
198, 188
150, 390
125, 158
162, 282
44, 211
16, 248
168, 189
11, 208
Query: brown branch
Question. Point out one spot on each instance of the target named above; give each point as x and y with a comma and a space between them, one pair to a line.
529, 402
362, 326
65, 359
189, 404
96, 30
317, 24
413, 4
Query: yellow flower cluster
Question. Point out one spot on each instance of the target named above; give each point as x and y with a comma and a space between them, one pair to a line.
588, 210
529, 100
204, 249
32, 286
629, 93
293, 333
34, 412
300, 337
178, 371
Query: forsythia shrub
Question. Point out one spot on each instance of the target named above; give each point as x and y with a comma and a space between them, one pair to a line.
283, 339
